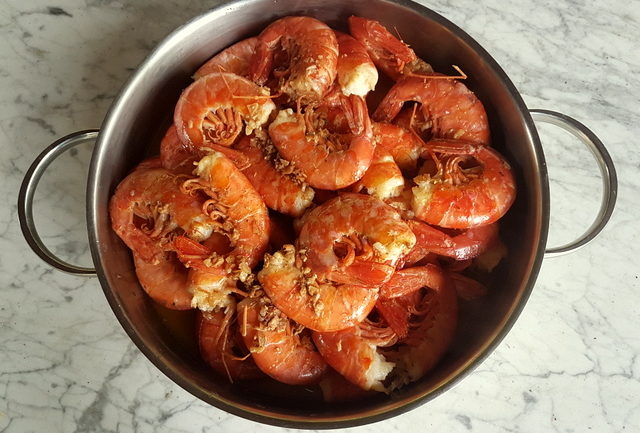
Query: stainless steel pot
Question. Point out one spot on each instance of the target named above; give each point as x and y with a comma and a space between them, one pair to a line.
150, 95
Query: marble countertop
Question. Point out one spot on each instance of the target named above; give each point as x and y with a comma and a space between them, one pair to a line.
571, 363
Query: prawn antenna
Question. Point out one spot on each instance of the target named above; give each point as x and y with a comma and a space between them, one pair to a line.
226, 84
395, 29
224, 353
274, 96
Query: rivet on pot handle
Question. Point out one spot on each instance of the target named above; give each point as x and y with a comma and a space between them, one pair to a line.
28, 189
607, 171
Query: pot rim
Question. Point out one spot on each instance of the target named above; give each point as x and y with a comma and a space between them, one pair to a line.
287, 420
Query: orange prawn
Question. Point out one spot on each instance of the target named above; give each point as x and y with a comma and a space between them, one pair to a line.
355, 239
222, 347
356, 72
463, 246
277, 180
148, 208
240, 215
327, 160
420, 327
165, 280
353, 352
278, 347
219, 106
383, 179
312, 52
234, 59
390, 54
302, 296
397, 151
404, 146
460, 198
431, 327
452, 110
175, 155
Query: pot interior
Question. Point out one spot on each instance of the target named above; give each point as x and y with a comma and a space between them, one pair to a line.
132, 131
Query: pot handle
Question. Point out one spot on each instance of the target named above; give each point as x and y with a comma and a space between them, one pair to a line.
607, 172
27, 192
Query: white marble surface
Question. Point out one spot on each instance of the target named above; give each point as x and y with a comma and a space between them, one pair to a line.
570, 364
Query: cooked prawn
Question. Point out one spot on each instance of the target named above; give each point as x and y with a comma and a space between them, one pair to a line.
356, 239
404, 147
312, 52
357, 74
409, 280
279, 183
302, 296
397, 151
148, 208
177, 156
241, 216
463, 246
165, 280
211, 279
279, 347
460, 198
383, 179
412, 119
416, 330
431, 328
328, 160
214, 109
390, 54
468, 288
222, 347
452, 110
234, 59
353, 353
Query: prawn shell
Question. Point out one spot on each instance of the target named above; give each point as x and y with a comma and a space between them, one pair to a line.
165, 281
464, 246
329, 307
235, 59
383, 179
220, 91
177, 156
280, 192
454, 110
403, 146
357, 74
480, 201
244, 208
354, 357
280, 353
427, 342
213, 340
322, 165
150, 185
313, 52
387, 52
362, 215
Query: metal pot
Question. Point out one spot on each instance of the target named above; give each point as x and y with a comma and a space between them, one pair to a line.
134, 121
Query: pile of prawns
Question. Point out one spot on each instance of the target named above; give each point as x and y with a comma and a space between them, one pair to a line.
313, 238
